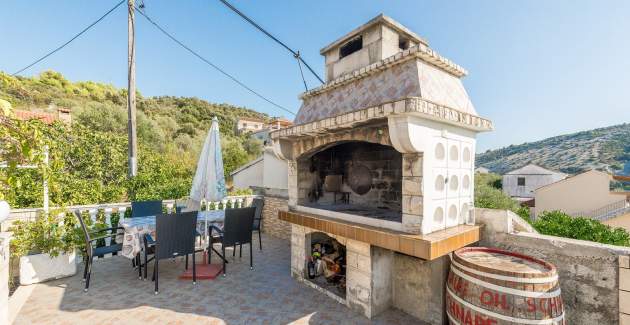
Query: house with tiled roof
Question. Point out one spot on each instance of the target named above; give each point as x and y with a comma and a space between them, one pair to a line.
62, 114
521, 183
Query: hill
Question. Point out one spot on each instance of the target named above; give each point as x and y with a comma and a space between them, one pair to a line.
171, 124
606, 149
89, 157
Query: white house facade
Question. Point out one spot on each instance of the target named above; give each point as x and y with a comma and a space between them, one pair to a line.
267, 171
521, 183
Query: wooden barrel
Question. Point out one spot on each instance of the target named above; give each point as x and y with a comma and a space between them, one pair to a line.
488, 286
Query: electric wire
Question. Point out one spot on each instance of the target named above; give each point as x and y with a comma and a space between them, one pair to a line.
72, 39
200, 57
301, 72
253, 23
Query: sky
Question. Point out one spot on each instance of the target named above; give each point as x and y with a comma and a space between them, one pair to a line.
536, 68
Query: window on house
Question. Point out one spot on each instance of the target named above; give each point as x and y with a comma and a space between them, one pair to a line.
403, 43
520, 181
244, 125
351, 47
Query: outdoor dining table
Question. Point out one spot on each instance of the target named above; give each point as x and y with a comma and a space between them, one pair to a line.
136, 228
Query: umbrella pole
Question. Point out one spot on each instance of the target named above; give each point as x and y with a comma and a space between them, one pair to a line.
207, 243
204, 270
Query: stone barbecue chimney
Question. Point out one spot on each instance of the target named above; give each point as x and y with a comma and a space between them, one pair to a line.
376, 40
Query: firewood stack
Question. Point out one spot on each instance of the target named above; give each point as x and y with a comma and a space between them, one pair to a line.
328, 259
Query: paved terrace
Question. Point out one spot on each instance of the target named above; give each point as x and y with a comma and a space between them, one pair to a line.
266, 295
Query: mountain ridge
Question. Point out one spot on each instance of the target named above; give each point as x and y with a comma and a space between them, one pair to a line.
606, 149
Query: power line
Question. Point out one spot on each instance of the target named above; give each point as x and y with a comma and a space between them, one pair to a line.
72, 39
301, 72
249, 20
210, 63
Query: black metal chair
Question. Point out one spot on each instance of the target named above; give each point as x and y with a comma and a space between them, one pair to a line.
90, 246
178, 209
237, 230
175, 237
146, 208
258, 204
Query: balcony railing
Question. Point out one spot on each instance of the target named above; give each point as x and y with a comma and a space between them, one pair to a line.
108, 211
606, 212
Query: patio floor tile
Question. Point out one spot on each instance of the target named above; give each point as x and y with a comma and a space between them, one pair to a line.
266, 295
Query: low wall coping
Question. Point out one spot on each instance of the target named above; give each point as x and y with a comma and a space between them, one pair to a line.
619, 250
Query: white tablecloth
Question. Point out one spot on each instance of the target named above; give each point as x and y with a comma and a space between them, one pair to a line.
136, 228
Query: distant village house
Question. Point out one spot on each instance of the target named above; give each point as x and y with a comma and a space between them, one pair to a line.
249, 124
275, 124
482, 170
279, 123
587, 194
521, 183
61, 114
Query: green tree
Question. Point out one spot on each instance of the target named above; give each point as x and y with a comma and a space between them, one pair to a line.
88, 160
488, 194
234, 155
21, 143
253, 146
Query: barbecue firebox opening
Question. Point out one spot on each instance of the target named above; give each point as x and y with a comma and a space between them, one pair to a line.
326, 263
355, 177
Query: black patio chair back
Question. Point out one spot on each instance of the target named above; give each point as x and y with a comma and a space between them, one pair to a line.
175, 234
238, 226
258, 204
146, 208
90, 247
237, 230
175, 237
86, 233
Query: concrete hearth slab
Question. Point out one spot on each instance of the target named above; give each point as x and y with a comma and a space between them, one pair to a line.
428, 247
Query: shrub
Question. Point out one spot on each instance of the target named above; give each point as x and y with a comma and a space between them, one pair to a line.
490, 197
488, 194
558, 223
523, 212
47, 234
240, 191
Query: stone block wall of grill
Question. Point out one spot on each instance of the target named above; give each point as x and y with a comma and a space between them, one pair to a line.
384, 162
271, 225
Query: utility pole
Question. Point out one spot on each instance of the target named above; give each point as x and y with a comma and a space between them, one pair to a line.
131, 91
46, 198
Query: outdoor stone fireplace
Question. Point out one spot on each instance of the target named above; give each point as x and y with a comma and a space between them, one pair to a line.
381, 159
355, 177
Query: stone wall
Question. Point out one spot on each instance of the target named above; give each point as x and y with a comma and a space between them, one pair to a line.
368, 278
418, 287
368, 271
4, 278
594, 282
271, 225
412, 196
624, 290
378, 279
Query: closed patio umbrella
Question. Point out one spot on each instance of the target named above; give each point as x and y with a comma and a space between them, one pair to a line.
208, 184
209, 181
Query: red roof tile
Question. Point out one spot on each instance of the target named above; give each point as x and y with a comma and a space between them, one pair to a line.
47, 118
